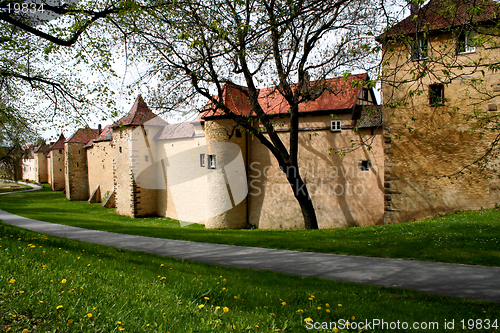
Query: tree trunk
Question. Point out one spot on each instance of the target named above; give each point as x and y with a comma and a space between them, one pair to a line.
302, 195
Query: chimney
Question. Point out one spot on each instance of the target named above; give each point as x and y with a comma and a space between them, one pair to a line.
99, 129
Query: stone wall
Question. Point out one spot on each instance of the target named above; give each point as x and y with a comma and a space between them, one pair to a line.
122, 172
57, 169
42, 174
76, 171
100, 167
342, 193
425, 144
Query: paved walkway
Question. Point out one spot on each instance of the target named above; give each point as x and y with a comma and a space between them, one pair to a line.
467, 281
35, 187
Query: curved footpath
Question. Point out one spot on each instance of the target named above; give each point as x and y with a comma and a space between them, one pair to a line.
467, 281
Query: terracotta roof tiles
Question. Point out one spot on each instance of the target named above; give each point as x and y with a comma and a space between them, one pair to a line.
340, 95
59, 144
441, 14
138, 114
83, 135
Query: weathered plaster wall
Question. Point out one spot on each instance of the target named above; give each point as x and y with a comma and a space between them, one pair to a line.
441, 141
76, 171
100, 167
342, 194
123, 177
57, 169
29, 169
41, 173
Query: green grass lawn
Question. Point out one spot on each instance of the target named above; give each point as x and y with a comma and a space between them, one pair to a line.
466, 237
50, 284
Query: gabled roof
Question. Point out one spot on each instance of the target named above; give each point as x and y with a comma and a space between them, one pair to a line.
441, 14
83, 135
340, 95
42, 148
138, 114
106, 135
59, 144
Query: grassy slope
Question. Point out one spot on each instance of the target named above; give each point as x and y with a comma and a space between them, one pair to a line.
49, 284
466, 237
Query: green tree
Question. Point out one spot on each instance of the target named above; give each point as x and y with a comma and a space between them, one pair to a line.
196, 47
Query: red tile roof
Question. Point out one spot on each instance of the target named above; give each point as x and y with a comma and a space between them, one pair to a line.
42, 148
138, 114
437, 15
340, 95
106, 135
83, 135
59, 144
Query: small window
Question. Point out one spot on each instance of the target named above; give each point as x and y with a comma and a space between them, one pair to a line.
238, 133
465, 42
336, 126
60, 151
120, 149
364, 165
121, 134
211, 161
77, 164
78, 152
419, 49
146, 158
436, 95
366, 94
202, 160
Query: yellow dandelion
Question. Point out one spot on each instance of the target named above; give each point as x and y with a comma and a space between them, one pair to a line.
89, 315
319, 308
201, 306
63, 281
206, 298
147, 325
235, 297
180, 303
233, 327
340, 304
283, 303
121, 329
353, 317
118, 323
335, 329
162, 265
12, 281
225, 309
327, 305
300, 311
216, 321
25, 330
21, 291
70, 321
307, 319
40, 302
224, 288
59, 307
310, 298
217, 307
224, 280
89, 265
327, 311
